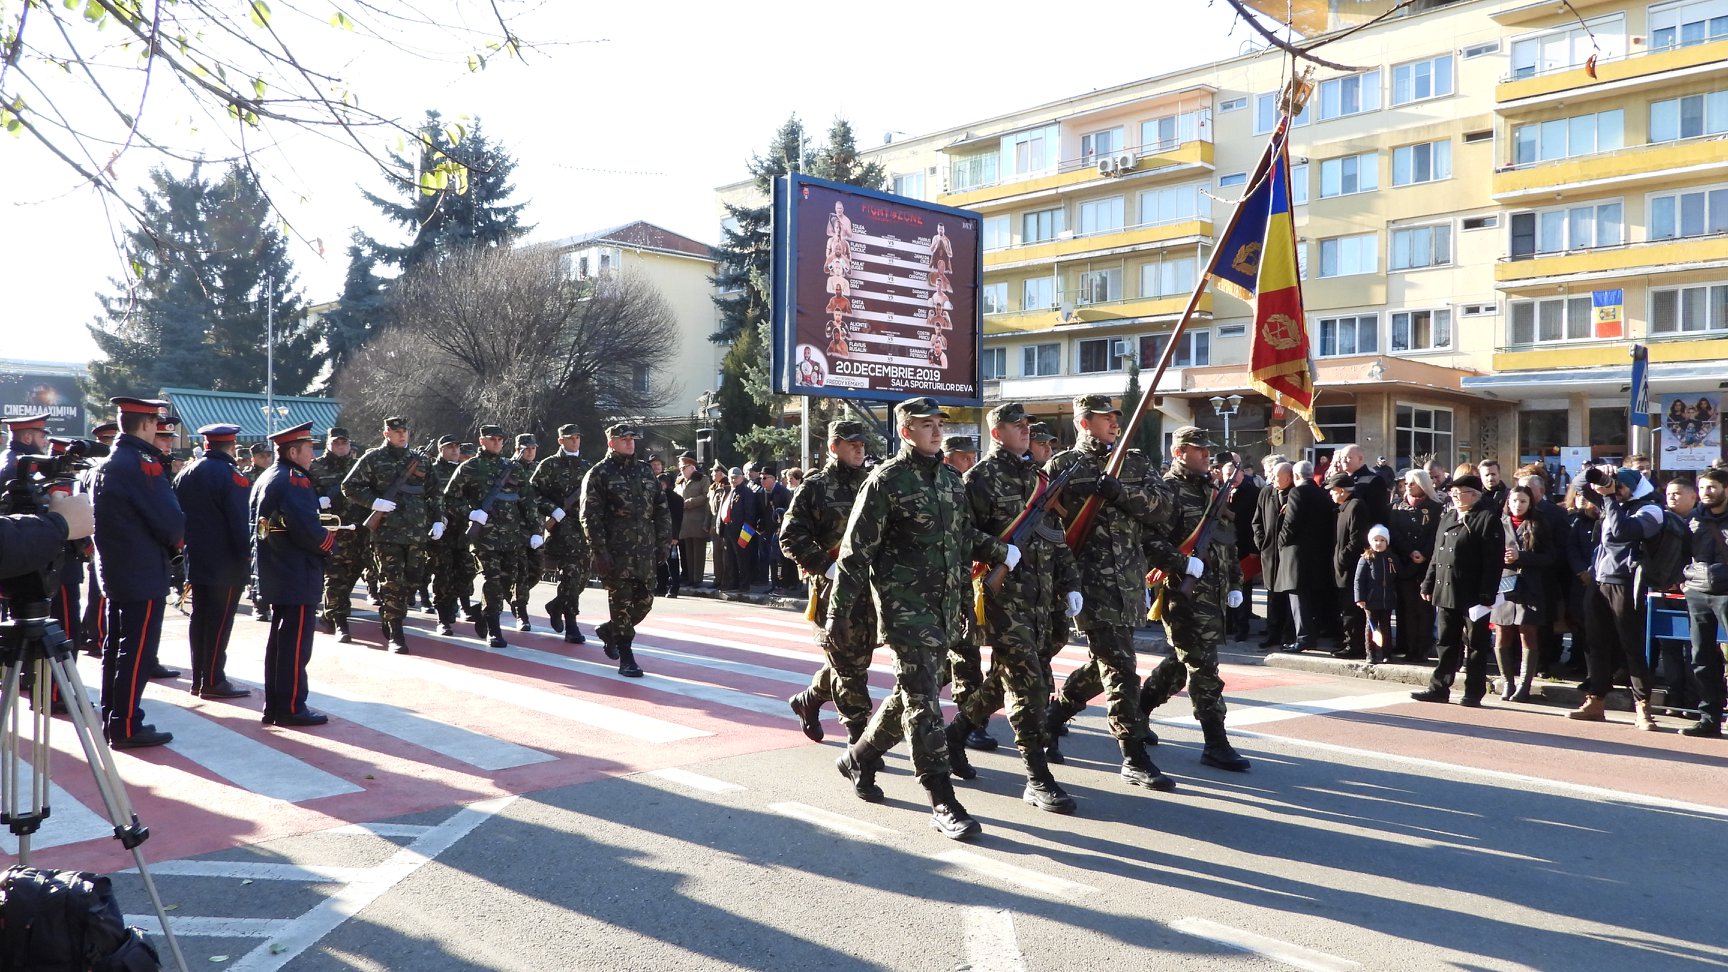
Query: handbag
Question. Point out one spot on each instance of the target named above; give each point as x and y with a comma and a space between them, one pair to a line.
1508, 583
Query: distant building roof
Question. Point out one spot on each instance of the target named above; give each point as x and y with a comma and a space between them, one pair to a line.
198, 407
640, 235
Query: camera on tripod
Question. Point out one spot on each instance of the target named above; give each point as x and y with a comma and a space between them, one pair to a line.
34, 477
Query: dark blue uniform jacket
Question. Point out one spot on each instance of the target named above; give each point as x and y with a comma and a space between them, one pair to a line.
291, 557
213, 493
138, 522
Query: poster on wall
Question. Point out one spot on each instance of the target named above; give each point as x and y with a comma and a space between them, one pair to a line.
56, 396
1691, 431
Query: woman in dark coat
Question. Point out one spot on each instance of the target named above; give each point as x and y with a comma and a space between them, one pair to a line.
1268, 517
1305, 541
1583, 533
1520, 612
1415, 520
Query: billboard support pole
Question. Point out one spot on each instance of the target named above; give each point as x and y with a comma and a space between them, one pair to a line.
804, 440
269, 358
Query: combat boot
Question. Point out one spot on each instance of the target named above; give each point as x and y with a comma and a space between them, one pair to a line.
446, 618
1139, 770
808, 708
958, 763
325, 625
854, 732
495, 638
1218, 752
859, 764
1641, 716
520, 612
604, 630
1042, 790
1056, 724
343, 636
470, 612
980, 739
555, 614
627, 666
1593, 709
394, 636
947, 816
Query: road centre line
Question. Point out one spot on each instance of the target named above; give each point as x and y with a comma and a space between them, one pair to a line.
380, 830
1296, 956
990, 940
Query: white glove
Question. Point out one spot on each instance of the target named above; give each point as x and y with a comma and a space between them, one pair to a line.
1195, 567
1234, 599
557, 514
323, 502
1075, 603
833, 571
479, 516
1013, 560
536, 541
383, 505
438, 530
1477, 612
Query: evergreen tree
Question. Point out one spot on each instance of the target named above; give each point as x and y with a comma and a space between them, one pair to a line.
442, 205
362, 312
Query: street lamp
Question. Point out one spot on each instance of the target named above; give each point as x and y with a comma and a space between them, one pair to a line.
271, 414
1225, 408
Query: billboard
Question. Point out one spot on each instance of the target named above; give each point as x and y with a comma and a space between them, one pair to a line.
875, 296
56, 396
1692, 431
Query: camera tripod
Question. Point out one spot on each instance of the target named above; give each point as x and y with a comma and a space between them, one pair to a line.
32, 642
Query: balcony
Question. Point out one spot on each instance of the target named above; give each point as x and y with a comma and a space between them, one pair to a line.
1150, 161
1641, 69
1663, 349
1099, 244
1101, 314
1685, 161
1609, 262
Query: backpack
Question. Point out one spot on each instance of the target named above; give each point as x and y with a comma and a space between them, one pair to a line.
67, 921
1663, 557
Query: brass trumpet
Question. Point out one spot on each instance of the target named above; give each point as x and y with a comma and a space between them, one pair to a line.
274, 524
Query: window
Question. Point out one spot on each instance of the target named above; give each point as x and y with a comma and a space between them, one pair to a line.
1107, 142
1336, 422
1340, 336
1194, 351
994, 361
1342, 256
1266, 113
1689, 117
1234, 104
1041, 360
1350, 96
1097, 355
1232, 330
1424, 330
1100, 215
1352, 173
1423, 162
994, 297
1481, 222
1567, 228
1036, 227
911, 185
1685, 24
1030, 152
1169, 276
1414, 247
1040, 292
1231, 180
1098, 286
1684, 310
1552, 319
1568, 47
972, 171
1702, 212
996, 233
1162, 134
1477, 310
605, 262
1423, 430
1419, 80
1565, 138
1479, 50
1485, 135
1299, 184
1173, 204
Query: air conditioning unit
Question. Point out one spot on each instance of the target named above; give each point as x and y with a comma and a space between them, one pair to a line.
1126, 162
1118, 349
1106, 166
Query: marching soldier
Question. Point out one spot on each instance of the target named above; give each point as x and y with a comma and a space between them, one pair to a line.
348, 560
1112, 582
213, 493
292, 547
629, 530
260, 460
493, 493
528, 564
139, 529
391, 480
1194, 622
1040, 449
558, 487
999, 489
811, 536
910, 544
447, 557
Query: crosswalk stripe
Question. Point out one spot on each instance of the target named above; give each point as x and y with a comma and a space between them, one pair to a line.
1245, 713
238, 758
191, 926
69, 822
261, 871
1014, 874
829, 820
695, 781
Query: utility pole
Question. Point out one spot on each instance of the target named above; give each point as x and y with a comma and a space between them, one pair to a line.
269, 357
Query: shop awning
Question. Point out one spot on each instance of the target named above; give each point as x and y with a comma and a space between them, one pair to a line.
198, 407
1555, 382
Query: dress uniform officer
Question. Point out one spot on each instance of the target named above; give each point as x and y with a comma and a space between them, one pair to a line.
26, 435
105, 432
95, 622
629, 530
139, 529
353, 551
407, 514
292, 548
558, 489
213, 493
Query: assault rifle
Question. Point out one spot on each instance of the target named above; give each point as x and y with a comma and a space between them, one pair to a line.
1031, 521
568, 506
1197, 540
474, 529
377, 516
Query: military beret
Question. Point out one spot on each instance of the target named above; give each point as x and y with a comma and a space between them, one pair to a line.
569, 428
445, 440
260, 448
958, 443
917, 408
1191, 435
336, 432
1042, 433
25, 422
396, 423
622, 431
1007, 413
849, 430
491, 431
299, 433
219, 432
1094, 405
468, 448
138, 406
526, 439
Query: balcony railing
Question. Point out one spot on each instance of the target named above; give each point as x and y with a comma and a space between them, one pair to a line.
1066, 235
1610, 59
1062, 166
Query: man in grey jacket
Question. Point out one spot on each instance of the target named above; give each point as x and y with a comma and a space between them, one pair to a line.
1614, 608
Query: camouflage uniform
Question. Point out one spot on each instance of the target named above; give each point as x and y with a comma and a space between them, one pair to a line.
558, 486
447, 558
811, 536
629, 530
398, 545
528, 561
511, 520
353, 547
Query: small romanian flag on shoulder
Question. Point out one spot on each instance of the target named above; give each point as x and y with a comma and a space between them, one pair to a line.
746, 533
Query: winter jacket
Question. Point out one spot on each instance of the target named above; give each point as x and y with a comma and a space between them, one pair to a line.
1376, 581
1625, 527
1709, 566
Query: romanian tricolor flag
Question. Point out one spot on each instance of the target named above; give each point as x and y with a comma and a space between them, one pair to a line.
746, 533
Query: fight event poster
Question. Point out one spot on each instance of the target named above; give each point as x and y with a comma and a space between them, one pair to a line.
876, 296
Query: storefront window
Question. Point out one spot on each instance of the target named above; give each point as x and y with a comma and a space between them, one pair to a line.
1541, 432
1426, 432
1608, 434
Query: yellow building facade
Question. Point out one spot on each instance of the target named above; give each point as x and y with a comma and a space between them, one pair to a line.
1469, 201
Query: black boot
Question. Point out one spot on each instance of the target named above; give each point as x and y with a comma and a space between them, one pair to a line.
859, 764
496, 638
343, 636
1139, 770
807, 706
555, 613
482, 627
980, 739
604, 630
446, 618
394, 636
627, 663
470, 612
947, 816
1708, 726
1056, 724
1218, 752
520, 612
958, 764
1042, 790
854, 732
